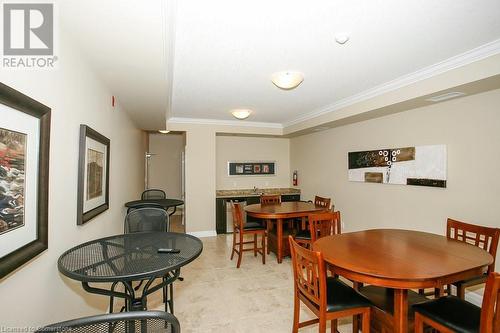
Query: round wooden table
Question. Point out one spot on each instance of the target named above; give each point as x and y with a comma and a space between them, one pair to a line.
279, 212
402, 260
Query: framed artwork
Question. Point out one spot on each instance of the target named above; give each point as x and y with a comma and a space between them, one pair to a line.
93, 175
24, 178
251, 168
419, 165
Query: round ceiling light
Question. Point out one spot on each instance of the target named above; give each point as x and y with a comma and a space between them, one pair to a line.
241, 113
287, 79
164, 131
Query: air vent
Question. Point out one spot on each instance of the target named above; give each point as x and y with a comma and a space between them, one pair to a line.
446, 96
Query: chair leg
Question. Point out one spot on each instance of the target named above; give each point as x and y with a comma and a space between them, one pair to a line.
240, 250
460, 291
296, 312
419, 323
234, 244
333, 328
355, 324
264, 248
366, 322
171, 299
322, 325
255, 245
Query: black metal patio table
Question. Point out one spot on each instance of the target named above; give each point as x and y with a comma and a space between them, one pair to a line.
129, 257
165, 203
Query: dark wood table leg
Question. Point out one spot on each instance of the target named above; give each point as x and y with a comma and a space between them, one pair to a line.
400, 311
279, 234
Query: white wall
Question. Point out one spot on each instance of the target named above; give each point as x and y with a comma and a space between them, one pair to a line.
469, 127
165, 166
238, 148
36, 293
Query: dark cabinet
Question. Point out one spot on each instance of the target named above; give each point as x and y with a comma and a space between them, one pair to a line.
221, 208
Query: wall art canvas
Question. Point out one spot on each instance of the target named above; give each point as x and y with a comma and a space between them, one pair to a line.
93, 174
12, 176
419, 165
24, 174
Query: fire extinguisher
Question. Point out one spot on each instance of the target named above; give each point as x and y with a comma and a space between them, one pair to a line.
295, 178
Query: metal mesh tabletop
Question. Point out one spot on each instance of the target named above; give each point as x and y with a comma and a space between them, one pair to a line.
165, 203
128, 257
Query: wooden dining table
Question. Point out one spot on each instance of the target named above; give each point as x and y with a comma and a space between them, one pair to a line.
277, 213
401, 260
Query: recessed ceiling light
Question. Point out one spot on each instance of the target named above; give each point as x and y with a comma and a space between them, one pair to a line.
287, 79
164, 131
446, 96
341, 38
241, 113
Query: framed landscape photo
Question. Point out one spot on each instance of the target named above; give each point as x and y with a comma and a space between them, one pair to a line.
93, 174
24, 178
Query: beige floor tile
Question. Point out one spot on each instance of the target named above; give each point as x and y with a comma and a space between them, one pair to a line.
215, 296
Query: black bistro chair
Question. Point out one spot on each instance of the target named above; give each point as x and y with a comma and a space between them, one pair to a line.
153, 194
149, 219
126, 322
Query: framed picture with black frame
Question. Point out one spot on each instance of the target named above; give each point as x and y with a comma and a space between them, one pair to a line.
93, 174
24, 178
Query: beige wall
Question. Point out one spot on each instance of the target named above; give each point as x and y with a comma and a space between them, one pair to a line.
237, 148
469, 127
200, 180
36, 293
165, 166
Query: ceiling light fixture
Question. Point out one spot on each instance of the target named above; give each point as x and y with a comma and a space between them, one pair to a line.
287, 79
241, 113
446, 96
164, 131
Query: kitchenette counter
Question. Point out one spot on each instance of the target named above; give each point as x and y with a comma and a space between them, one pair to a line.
255, 193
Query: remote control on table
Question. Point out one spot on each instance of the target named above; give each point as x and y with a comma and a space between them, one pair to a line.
168, 250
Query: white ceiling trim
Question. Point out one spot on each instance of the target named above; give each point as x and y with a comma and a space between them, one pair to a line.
466, 58
238, 123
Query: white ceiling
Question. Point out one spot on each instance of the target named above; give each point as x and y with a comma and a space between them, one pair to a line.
226, 51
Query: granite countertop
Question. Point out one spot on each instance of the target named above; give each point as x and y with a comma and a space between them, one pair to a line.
252, 193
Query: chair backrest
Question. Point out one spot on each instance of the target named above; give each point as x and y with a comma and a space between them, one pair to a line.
324, 224
485, 238
236, 210
270, 199
309, 273
490, 310
124, 322
322, 202
153, 194
147, 219
145, 205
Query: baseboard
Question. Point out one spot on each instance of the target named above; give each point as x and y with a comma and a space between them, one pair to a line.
201, 234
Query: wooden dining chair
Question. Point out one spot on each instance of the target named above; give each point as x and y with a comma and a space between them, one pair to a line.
269, 199
327, 297
320, 225
240, 229
322, 202
451, 314
485, 238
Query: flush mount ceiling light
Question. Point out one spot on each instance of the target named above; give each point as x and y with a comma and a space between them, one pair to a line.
342, 38
241, 113
287, 79
164, 131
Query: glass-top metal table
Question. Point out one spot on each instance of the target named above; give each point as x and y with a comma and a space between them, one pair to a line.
129, 257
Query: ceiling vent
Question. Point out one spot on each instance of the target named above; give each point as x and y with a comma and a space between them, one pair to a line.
446, 96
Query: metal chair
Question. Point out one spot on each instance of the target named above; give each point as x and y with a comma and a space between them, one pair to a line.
145, 205
149, 219
153, 194
126, 322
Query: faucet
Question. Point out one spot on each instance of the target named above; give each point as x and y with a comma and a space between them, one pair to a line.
255, 189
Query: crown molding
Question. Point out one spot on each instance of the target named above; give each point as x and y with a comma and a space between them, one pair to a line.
466, 58
238, 123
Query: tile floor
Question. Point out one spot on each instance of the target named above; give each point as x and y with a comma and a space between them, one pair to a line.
217, 297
